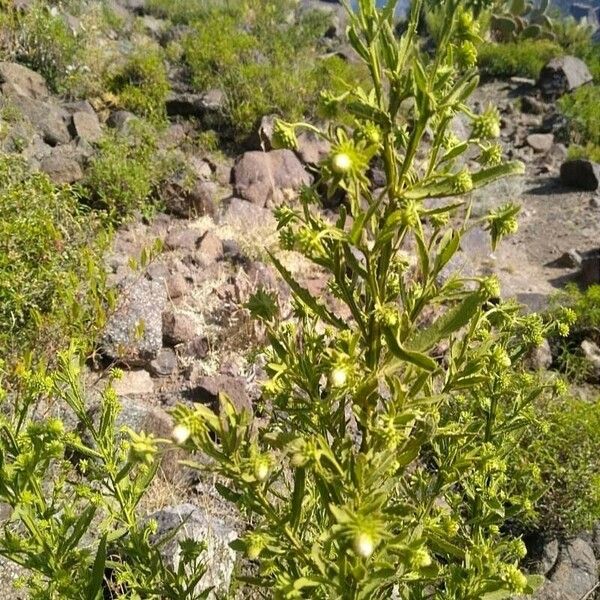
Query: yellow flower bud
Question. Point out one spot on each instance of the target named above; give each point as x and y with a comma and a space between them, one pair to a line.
341, 163
338, 377
180, 434
363, 545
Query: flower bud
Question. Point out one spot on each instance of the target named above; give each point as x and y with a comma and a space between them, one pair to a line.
363, 545
180, 434
261, 469
341, 163
338, 377
421, 558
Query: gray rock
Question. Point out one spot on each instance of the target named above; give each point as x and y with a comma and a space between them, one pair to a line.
549, 556
595, 202
562, 75
311, 148
10, 572
176, 285
581, 174
533, 106
207, 390
570, 259
210, 248
62, 166
244, 216
590, 267
15, 78
165, 363
86, 126
140, 309
187, 201
47, 118
576, 572
540, 142
187, 521
119, 119
540, 357
183, 239
134, 383
179, 328
591, 352
264, 178
194, 105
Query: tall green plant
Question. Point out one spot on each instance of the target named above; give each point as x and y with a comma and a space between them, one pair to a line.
379, 469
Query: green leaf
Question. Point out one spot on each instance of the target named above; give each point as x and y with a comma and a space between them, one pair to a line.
297, 497
450, 322
415, 358
486, 176
305, 296
94, 587
263, 305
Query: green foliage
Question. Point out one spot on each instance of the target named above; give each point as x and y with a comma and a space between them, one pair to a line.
567, 465
525, 58
381, 459
581, 107
195, 10
41, 39
141, 84
75, 525
123, 177
514, 20
590, 151
51, 284
583, 310
263, 66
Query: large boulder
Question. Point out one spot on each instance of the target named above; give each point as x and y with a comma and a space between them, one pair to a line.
186, 521
19, 80
562, 75
580, 173
576, 572
133, 334
264, 178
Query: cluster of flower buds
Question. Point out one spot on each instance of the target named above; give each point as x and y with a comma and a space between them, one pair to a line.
486, 126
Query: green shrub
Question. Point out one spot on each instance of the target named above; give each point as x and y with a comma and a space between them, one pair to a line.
567, 462
51, 281
581, 108
192, 10
589, 151
583, 308
525, 58
75, 525
380, 465
123, 177
263, 68
141, 84
45, 43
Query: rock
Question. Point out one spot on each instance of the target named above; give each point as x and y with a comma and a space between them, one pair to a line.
134, 383
581, 174
140, 308
18, 79
165, 363
86, 126
561, 75
569, 260
244, 216
210, 249
194, 105
591, 352
176, 285
540, 142
188, 202
119, 119
61, 166
549, 556
590, 268
311, 148
576, 572
179, 328
186, 521
533, 106
45, 117
540, 357
207, 389
197, 348
10, 574
264, 177
183, 239
595, 202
